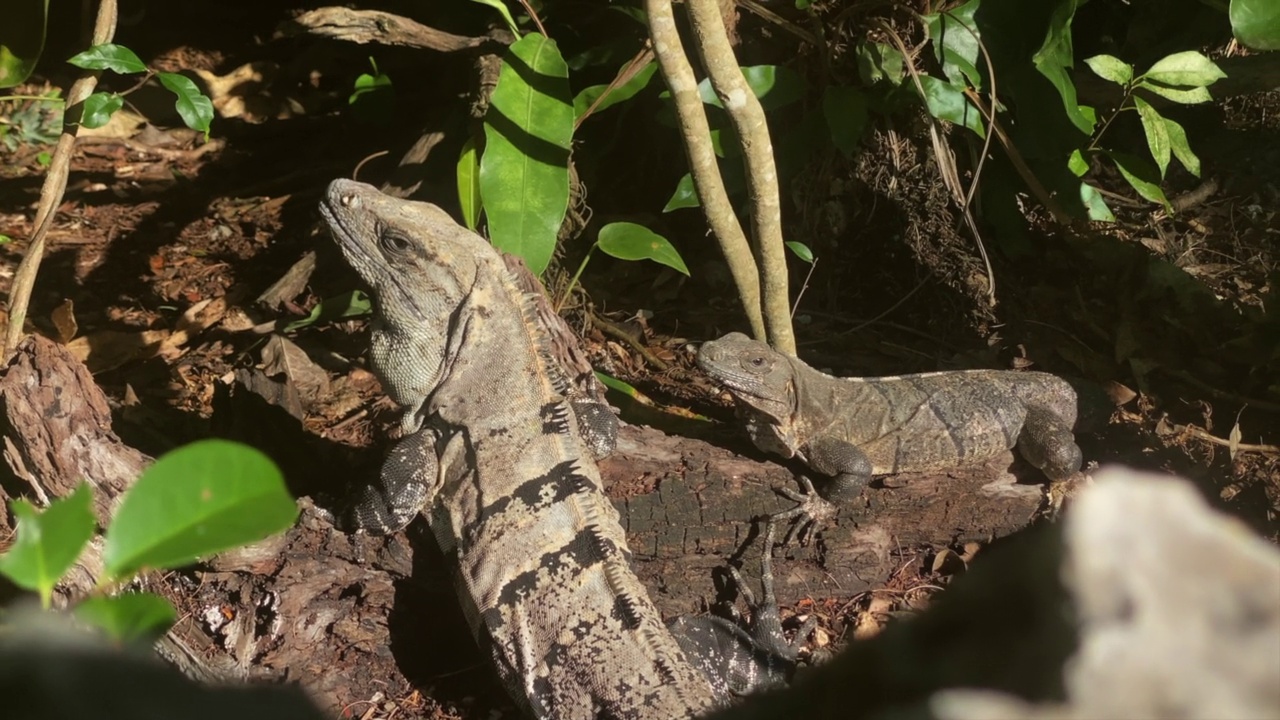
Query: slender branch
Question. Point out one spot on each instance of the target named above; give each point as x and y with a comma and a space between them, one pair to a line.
757, 154
54, 188
702, 160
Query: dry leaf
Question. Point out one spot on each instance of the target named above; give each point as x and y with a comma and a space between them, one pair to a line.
109, 349
281, 356
64, 321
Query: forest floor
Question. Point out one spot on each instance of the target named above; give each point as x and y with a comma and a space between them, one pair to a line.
163, 251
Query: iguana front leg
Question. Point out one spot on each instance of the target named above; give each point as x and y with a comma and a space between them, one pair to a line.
1047, 442
849, 470
407, 484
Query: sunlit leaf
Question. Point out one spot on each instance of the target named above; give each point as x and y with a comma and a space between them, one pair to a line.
468, 174
1188, 69
1157, 135
129, 618
192, 502
109, 56
195, 109
98, 109
621, 93
1142, 176
22, 33
1110, 68
48, 542
1181, 148
1256, 23
775, 86
947, 102
524, 172
629, 241
685, 196
801, 250
955, 39
1054, 60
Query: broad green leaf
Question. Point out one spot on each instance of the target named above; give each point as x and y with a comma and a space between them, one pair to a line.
1142, 177
629, 241
98, 109
196, 109
130, 617
1055, 57
623, 92
506, 14
1077, 164
109, 56
1186, 69
773, 85
1185, 96
879, 61
524, 173
1181, 148
685, 196
469, 184
947, 102
48, 542
353, 303
372, 97
200, 499
845, 110
1094, 204
955, 43
1111, 68
1256, 23
1157, 135
22, 34
801, 250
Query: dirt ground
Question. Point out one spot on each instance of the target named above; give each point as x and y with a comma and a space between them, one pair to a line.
165, 246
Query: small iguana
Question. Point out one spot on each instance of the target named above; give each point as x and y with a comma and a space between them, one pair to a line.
849, 429
492, 457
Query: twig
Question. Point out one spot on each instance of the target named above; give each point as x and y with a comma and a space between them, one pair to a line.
54, 188
1240, 447
615, 330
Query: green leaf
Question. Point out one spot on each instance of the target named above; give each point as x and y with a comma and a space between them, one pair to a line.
349, 304
1055, 58
955, 43
524, 173
629, 241
614, 383
109, 56
21, 39
685, 196
845, 110
1077, 164
1187, 96
801, 250
1187, 69
879, 61
469, 184
1181, 148
774, 86
621, 93
506, 14
1142, 176
1157, 135
196, 109
947, 102
372, 98
197, 500
98, 109
1256, 23
49, 542
130, 617
1094, 204
1110, 68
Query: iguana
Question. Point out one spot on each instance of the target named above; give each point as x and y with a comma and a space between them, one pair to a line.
849, 429
491, 457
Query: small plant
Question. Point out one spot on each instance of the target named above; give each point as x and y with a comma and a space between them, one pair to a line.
200, 499
34, 120
195, 109
629, 241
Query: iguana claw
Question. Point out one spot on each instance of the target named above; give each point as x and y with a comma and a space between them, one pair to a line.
811, 513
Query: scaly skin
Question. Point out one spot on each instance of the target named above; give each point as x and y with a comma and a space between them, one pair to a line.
494, 460
850, 429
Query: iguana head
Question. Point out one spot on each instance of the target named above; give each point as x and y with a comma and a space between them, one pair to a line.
422, 268
757, 375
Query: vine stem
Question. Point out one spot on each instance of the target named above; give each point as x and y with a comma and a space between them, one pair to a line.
54, 188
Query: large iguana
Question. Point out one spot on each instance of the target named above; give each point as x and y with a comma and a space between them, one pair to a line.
849, 429
492, 457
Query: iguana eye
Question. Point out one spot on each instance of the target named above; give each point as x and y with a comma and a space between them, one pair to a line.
757, 361
392, 242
